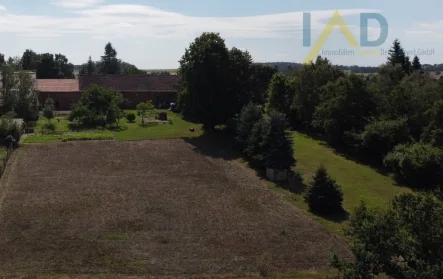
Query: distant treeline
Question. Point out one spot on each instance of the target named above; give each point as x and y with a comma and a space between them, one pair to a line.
285, 67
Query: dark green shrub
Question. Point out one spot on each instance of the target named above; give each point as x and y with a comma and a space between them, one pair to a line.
247, 118
130, 117
381, 136
94, 105
418, 165
325, 195
48, 128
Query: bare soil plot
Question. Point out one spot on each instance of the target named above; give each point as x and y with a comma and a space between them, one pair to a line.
148, 207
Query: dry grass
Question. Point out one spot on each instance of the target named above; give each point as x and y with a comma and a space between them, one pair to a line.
148, 207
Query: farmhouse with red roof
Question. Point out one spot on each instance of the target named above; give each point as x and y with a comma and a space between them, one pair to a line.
134, 88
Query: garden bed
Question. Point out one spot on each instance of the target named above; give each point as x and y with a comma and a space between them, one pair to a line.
67, 137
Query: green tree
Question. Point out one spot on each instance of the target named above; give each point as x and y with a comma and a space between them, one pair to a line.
416, 65
277, 145
94, 105
348, 94
240, 63
48, 109
325, 195
261, 76
254, 149
129, 69
63, 68
46, 67
396, 54
30, 60
205, 94
146, 110
9, 85
90, 67
14, 63
418, 165
403, 242
381, 136
308, 83
2, 59
114, 114
109, 62
280, 93
433, 133
26, 105
248, 117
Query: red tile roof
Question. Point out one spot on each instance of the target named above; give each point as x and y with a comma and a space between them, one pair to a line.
58, 85
131, 83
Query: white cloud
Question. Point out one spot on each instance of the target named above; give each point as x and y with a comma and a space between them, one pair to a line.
427, 32
141, 21
77, 4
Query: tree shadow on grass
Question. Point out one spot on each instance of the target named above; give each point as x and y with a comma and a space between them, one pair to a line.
337, 217
348, 153
215, 144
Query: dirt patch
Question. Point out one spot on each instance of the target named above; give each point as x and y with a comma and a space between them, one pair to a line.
149, 207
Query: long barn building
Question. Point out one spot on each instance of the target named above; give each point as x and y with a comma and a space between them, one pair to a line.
134, 88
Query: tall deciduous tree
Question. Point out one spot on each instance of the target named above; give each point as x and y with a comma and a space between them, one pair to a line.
403, 242
9, 83
109, 62
46, 68
54, 67
30, 60
345, 106
308, 83
27, 99
280, 93
261, 76
240, 63
205, 94
14, 63
63, 67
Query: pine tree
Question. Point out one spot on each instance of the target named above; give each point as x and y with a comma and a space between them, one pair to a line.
109, 62
278, 152
396, 54
249, 115
416, 65
325, 195
90, 67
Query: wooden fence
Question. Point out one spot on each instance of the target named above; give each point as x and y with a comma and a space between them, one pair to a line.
6, 159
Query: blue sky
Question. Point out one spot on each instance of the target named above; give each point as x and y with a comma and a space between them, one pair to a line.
154, 33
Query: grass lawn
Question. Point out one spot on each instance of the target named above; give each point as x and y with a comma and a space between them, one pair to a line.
359, 182
135, 131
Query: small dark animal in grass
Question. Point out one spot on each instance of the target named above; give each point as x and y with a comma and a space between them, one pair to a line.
192, 130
